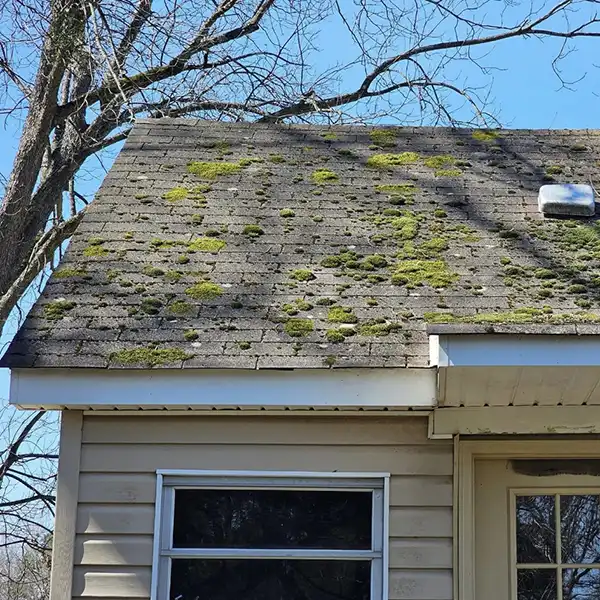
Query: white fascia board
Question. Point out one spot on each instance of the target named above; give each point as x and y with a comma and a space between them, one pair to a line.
514, 420
499, 350
184, 389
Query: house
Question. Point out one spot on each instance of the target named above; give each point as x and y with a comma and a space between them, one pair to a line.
321, 363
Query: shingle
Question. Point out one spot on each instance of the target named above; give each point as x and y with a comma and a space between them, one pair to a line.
494, 263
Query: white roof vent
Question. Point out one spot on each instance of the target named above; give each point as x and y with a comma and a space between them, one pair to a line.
573, 199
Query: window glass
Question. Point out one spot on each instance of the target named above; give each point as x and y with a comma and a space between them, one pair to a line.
581, 584
536, 524
536, 584
270, 580
272, 519
580, 528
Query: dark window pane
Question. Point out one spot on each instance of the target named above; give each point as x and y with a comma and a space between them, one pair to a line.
580, 529
536, 538
270, 580
536, 584
272, 519
581, 584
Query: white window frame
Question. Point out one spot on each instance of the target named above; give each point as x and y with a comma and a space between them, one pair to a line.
167, 481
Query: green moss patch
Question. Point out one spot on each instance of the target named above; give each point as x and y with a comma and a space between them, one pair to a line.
153, 271
485, 135
329, 136
206, 244
388, 161
57, 310
151, 306
95, 247
213, 170
253, 231
276, 158
383, 138
448, 173
67, 272
339, 334
295, 307
439, 161
302, 275
341, 314
398, 193
151, 357
173, 276
298, 327
176, 194
434, 273
516, 316
378, 327
180, 307
190, 335
323, 176
160, 244
205, 290
554, 170
287, 213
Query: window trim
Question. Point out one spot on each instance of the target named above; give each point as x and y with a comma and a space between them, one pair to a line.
167, 480
466, 452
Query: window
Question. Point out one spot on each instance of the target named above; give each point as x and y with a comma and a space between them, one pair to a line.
557, 546
270, 536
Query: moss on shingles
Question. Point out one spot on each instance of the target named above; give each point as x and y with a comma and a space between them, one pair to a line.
213, 170
244, 345
431, 248
204, 290
323, 176
276, 158
383, 138
176, 194
160, 244
180, 307
485, 135
253, 231
295, 307
516, 316
405, 227
151, 306
287, 213
398, 193
298, 327
153, 271
341, 314
554, 170
378, 327
302, 275
150, 357
56, 310
206, 244
173, 276
190, 335
448, 173
434, 273
388, 161
66, 272
330, 136
95, 247
339, 334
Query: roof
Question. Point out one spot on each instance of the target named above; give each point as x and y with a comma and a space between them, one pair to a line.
268, 246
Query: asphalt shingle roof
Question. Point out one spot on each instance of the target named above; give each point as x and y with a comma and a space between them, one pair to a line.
305, 246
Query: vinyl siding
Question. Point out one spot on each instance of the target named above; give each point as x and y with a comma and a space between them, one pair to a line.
119, 457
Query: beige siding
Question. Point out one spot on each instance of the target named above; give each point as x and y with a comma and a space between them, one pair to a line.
119, 457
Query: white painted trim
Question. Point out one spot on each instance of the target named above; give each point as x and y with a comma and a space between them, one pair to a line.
514, 420
385, 584
469, 451
158, 554
267, 412
182, 389
156, 538
273, 474
506, 350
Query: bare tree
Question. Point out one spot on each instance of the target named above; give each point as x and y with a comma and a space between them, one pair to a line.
81, 71
28, 457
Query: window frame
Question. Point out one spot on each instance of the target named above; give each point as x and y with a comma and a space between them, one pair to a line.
168, 480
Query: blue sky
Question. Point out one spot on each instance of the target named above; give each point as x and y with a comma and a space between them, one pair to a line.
525, 93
